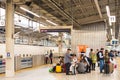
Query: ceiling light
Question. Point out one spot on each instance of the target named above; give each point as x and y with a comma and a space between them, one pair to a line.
108, 11
111, 31
51, 22
42, 25
29, 12
110, 23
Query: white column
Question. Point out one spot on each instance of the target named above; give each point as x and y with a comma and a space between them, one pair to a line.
60, 43
9, 71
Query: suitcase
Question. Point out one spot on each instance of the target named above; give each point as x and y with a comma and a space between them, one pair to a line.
58, 69
64, 68
106, 68
111, 68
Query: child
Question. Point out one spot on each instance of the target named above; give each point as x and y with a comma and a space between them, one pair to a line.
73, 64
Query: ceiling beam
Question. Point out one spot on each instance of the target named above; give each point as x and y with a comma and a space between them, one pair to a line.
94, 21
42, 6
90, 19
63, 12
77, 6
98, 8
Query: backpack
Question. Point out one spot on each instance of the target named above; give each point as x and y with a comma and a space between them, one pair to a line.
98, 58
110, 55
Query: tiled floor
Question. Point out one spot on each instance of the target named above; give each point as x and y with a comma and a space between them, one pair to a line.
41, 73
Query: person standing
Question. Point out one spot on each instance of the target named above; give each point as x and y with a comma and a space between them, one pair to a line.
107, 62
94, 59
67, 61
89, 62
46, 57
101, 58
51, 56
111, 54
97, 54
73, 64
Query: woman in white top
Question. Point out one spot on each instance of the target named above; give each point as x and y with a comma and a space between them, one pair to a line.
73, 64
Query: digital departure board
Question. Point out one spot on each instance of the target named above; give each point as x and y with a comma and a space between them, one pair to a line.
55, 30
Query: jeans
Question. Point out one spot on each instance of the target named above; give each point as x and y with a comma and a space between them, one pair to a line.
101, 65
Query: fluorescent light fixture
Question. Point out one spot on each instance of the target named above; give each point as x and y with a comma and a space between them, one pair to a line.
51, 22
29, 12
41, 25
108, 11
111, 31
110, 23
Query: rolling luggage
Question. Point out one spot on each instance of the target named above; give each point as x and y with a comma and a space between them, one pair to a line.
111, 68
64, 68
58, 69
106, 68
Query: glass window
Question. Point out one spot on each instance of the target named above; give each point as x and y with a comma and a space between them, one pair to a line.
16, 19
37, 24
2, 13
34, 25
24, 22
30, 23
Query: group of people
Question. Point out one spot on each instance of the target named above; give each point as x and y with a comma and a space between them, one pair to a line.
84, 64
72, 64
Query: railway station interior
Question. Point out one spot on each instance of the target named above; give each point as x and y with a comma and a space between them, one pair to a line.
59, 39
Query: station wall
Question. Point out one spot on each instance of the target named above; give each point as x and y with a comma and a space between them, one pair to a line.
92, 35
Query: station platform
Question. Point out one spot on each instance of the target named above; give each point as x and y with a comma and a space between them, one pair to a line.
42, 73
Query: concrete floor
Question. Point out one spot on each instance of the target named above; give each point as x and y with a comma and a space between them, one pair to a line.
41, 73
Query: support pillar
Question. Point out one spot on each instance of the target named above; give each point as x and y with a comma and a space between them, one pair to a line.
60, 43
9, 71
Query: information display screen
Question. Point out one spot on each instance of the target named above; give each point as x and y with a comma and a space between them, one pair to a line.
55, 30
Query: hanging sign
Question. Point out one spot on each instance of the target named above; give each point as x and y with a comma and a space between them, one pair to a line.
2, 23
8, 54
112, 19
55, 30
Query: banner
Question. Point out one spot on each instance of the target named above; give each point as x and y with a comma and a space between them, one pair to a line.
82, 48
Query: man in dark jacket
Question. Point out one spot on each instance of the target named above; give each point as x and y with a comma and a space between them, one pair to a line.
51, 56
98, 60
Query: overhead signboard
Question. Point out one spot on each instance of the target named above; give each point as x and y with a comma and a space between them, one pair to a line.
55, 30
112, 19
2, 23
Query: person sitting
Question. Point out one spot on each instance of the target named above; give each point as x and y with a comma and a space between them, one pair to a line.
73, 64
81, 67
59, 63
